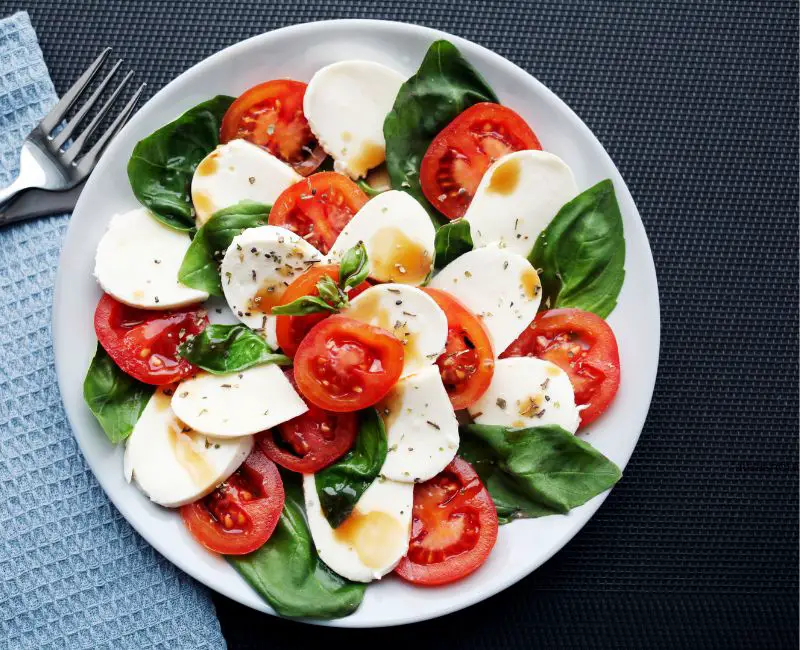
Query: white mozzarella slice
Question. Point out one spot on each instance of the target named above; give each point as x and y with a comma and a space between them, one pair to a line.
421, 428
138, 259
369, 543
346, 104
174, 465
517, 197
500, 287
398, 235
527, 392
237, 171
237, 404
256, 269
408, 313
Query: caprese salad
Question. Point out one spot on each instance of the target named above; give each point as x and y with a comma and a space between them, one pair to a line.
355, 326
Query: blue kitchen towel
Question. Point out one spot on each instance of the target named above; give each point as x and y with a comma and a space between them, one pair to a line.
73, 573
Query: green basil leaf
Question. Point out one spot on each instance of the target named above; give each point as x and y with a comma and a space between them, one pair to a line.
303, 306
443, 87
452, 240
340, 485
162, 165
288, 573
222, 349
536, 471
116, 399
354, 267
330, 292
581, 253
200, 266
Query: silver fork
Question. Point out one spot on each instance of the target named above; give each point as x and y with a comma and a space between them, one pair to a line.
45, 162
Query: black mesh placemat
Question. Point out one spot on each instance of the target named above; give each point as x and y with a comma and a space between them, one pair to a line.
697, 104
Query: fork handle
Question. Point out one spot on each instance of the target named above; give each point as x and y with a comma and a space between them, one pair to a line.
8, 196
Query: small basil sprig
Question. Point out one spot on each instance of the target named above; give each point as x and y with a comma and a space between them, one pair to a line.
452, 240
200, 266
353, 270
536, 471
340, 485
116, 399
222, 349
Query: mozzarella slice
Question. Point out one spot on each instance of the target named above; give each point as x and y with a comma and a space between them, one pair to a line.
369, 543
237, 171
517, 197
421, 428
256, 269
138, 259
171, 463
500, 287
527, 392
345, 104
408, 313
237, 404
398, 235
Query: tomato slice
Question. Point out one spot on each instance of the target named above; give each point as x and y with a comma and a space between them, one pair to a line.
241, 514
344, 365
458, 157
584, 346
310, 441
453, 529
292, 329
318, 208
467, 364
271, 116
144, 343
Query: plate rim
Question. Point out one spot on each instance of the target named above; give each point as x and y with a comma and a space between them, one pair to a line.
168, 550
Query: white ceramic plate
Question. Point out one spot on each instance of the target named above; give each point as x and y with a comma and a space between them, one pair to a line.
297, 52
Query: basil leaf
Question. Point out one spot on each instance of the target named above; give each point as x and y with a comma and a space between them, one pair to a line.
444, 86
452, 240
582, 253
162, 165
354, 267
330, 292
200, 266
303, 306
340, 485
536, 471
222, 349
288, 573
115, 398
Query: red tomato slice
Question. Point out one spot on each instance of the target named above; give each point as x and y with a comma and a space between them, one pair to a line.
467, 364
318, 208
240, 515
144, 343
583, 345
345, 365
458, 157
271, 116
454, 527
310, 441
292, 329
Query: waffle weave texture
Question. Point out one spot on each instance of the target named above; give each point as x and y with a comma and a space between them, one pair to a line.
696, 102
73, 573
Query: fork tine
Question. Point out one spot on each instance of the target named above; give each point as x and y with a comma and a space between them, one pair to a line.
69, 129
54, 117
76, 147
88, 162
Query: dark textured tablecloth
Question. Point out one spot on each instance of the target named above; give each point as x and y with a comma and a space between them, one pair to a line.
697, 103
